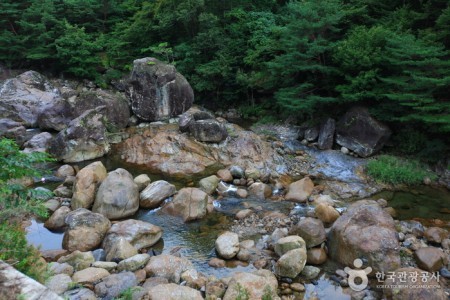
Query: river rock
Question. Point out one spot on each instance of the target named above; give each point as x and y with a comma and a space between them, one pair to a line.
167, 266
430, 259
109, 266
396, 286
261, 284
291, 263
85, 230
12, 130
57, 268
217, 263
117, 196
237, 172
288, 243
172, 291
85, 138
225, 175
310, 272
157, 91
365, 231
183, 156
300, 190
260, 190
120, 250
361, 133
89, 275
53, 255
113, 285
316, 256
86, 183
38, 143
215, 289
326, 134
155, 193
242, 193
436, 234
139, 234
24, 97
227, 245
154, 281
209, 184
133, 263
311, 230
63, 192
189, 203
208, 131
80, 294
312, 133
78, 260
59, 283
326, 213
142, 181
57, 219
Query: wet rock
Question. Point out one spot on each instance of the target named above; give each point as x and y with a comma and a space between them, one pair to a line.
431, 259
208, 131
217, 263
365, 231
310, 272
291, 263
117, 196
157, 91
89, 275
242, 214
85, 138
397, 292
300, 190
113, 285
56, 220
24, 97
140, 234
227, 245
258, 284
168, 266
326, 134
326, 213
99, 254
260, 190
38, 143
86, 183
155, 193
121, 249
189, 203
172, 291
80, 294
59, 283
241, 193
133, 263
237, 172
225, 175
297, 287
311, 230
209, 184
436, 234
316, 256
85, 230
78, 260
361, 133
142, 181
288, 243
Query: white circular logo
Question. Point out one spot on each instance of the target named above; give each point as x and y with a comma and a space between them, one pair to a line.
358, 273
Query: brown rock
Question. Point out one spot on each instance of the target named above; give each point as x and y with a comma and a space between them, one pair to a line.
300, 190
168, 266
225, 175
217, 263
173, 291
189, 203
89, 275
56, 221
316, 256
85, 187
431, 259
326, 213
311, 230
257, 284
53, 255
260, 190
436, 234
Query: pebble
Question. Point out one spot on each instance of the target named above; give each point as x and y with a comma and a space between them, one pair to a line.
298, 287
401, 236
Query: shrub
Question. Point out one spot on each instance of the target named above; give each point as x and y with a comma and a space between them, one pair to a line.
394, 170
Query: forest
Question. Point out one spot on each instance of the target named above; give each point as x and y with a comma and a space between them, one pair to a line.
277, 60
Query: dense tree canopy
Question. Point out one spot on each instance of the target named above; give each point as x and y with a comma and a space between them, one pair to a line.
309, 58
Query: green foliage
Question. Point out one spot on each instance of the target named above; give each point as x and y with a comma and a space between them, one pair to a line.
242, 293
16, 202
394, 170
127, 294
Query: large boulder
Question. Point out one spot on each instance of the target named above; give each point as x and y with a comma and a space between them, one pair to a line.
365, 231
183, 156
361, 133
86, 183
117, 196
155, 193
168, 266
208, 131
157, 91
140, 234
85, 230
261, 284
85, 138
24, 97
189, 203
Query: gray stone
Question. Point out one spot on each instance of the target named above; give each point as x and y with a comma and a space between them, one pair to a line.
59, 283
80, 294
227, 244
208, 131
133, 263
291, 264
168, 266
113, 285
155, 193
311, 230
172, 291
326, 134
